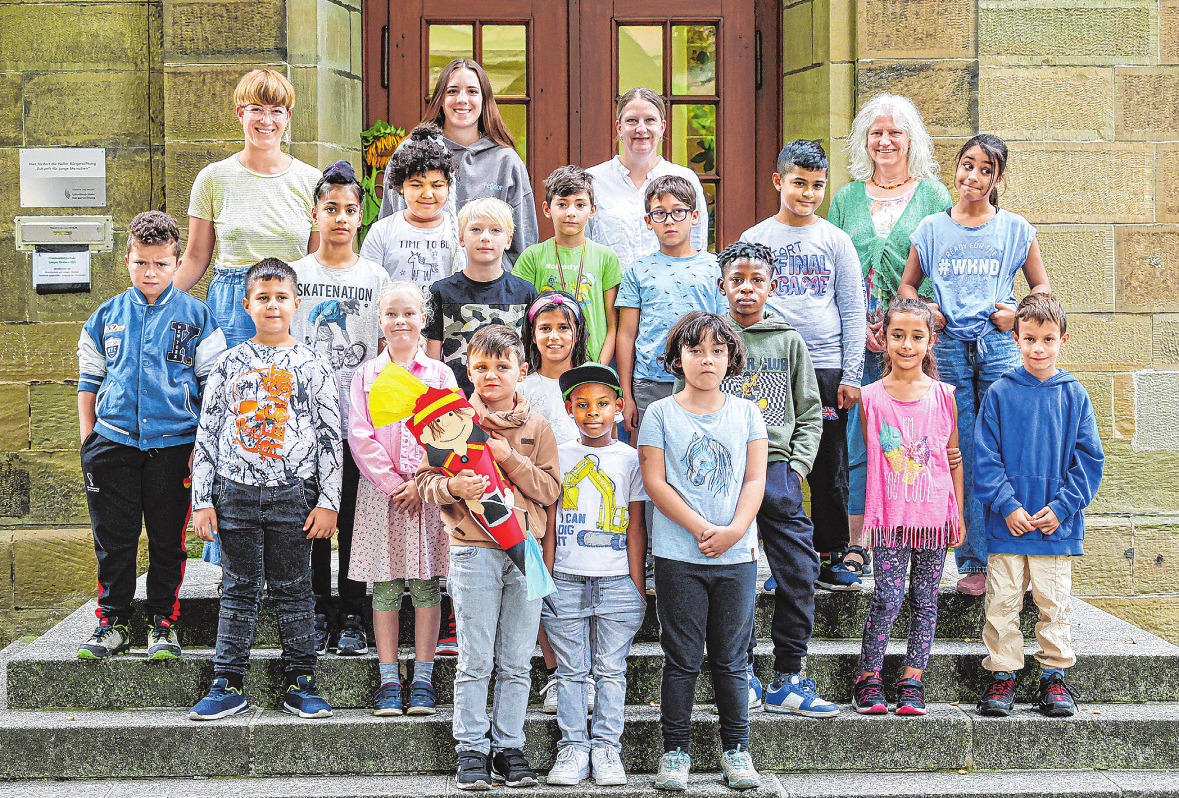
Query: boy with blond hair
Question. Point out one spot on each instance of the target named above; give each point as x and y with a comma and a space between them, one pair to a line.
1038, 462
482, 293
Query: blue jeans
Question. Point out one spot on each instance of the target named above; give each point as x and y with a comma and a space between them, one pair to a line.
263, 542
971, 371
226, 291
857, 455
497, 626
704, 605
596, 621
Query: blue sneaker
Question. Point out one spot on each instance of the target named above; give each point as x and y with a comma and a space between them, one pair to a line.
221, 702
387, 700
771, 585
302, 699
834, 575
422, 698
793, 695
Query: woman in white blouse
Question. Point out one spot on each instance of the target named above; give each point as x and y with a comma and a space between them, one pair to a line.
621, 182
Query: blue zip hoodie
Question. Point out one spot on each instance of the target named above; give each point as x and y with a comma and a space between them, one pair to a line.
1036, 445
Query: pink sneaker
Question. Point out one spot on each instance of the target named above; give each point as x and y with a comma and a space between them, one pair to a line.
973, 585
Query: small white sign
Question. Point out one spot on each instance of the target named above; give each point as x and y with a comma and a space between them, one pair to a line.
55, 272
63, 177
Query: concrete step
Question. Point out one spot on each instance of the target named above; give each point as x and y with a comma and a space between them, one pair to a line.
165, 744
1116, 663
1014, 784
837, 615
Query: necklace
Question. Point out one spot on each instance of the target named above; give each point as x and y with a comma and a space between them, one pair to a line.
872, 179
561, 271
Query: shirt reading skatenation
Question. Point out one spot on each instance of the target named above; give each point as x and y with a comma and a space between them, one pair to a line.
270, 416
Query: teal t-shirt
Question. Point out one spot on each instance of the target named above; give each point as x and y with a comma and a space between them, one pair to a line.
586, 273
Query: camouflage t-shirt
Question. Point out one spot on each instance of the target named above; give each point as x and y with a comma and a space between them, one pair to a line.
459, 306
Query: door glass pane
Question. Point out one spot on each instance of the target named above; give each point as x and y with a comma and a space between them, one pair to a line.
640, 57
516, 118
505, 59
693, 137
448, 42
710, 193
693, 59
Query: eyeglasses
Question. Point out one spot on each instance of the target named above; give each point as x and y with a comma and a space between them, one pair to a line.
676, 214
258, 112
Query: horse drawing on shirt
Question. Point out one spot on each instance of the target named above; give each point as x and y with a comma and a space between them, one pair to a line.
708, 461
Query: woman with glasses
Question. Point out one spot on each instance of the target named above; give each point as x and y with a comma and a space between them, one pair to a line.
255, 204
640, 119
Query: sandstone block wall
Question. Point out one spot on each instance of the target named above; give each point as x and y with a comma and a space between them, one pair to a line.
150, 81
1084, 92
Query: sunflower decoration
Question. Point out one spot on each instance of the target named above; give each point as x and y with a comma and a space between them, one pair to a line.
379, 143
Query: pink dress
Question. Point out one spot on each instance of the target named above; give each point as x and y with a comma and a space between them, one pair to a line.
910, 499
388, 544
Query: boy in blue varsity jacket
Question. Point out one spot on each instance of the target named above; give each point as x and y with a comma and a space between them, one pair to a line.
142, 360
1038, 463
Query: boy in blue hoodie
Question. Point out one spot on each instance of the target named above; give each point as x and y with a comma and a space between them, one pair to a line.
1038, 464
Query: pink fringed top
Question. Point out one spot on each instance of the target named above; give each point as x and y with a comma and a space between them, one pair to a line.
910, 499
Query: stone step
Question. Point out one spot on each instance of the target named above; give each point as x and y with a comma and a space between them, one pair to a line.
1013, 784
1117, 662
165, 744
837, 615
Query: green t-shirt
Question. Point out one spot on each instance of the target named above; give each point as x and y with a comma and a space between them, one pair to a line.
548, 266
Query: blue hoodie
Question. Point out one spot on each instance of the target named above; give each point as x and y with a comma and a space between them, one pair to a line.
1036, 445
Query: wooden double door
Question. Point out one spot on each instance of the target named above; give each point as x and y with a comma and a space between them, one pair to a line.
556, 67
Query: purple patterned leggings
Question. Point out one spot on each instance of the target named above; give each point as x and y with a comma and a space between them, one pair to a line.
889, 566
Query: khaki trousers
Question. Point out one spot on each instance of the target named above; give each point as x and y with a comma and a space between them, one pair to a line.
1008, 576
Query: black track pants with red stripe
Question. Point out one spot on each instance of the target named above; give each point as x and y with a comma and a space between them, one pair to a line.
128, 489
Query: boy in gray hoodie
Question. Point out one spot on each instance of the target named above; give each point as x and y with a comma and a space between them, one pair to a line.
780, 379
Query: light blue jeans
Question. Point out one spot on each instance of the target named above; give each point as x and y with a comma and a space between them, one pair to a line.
597, 618
972, 367
227, 289
497, 626
857, 455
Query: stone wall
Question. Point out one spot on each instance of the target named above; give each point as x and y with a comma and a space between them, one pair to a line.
1084, 92
151, 81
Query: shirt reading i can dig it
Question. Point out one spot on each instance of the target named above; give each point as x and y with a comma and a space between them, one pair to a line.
271, 416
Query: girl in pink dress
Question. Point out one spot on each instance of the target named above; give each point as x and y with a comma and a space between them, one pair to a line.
913, 508
399, 542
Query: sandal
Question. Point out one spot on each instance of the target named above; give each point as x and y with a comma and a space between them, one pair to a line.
860, 569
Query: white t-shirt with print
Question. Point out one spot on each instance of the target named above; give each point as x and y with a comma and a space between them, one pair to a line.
598, 484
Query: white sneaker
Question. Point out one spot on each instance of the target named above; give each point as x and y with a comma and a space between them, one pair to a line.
674, 767
549, 694
738, 770
608, 770
592, 691
572, 765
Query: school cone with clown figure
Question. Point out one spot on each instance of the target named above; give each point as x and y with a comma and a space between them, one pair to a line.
446, 426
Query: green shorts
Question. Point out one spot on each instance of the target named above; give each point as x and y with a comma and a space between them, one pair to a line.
422, 592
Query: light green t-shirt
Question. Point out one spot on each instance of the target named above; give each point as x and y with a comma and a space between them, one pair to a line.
548, 266
255, 216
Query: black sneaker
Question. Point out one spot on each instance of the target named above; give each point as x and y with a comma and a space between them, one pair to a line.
321, 634
474, 772
834, 575
352, 641
998, 698
163, 642
510, 767
108, 640
1057, 697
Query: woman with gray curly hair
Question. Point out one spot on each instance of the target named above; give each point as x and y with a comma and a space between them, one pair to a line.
895, 187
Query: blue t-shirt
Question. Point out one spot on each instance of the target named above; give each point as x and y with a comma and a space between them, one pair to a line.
972, 268
704, 460
664, 290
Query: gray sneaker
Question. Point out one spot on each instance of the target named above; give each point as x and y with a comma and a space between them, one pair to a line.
738, 771
109, 639
673, 771
163, 642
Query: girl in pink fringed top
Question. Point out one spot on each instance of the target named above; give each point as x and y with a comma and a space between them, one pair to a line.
913, 509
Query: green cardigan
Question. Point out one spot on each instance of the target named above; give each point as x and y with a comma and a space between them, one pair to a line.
884, 258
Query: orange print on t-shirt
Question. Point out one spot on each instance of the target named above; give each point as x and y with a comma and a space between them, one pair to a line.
262, 405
